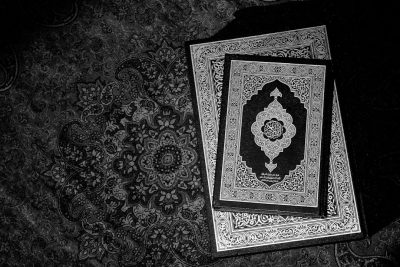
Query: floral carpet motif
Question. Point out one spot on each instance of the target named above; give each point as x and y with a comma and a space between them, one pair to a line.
99, 155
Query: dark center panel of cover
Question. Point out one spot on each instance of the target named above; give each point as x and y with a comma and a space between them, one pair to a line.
273, 129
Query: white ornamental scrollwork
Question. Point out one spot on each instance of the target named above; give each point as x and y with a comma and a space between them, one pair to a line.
273, 130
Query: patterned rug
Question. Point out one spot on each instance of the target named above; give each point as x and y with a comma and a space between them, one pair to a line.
99, 157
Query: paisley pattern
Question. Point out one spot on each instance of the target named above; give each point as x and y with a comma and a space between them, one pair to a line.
8, 67
99, 162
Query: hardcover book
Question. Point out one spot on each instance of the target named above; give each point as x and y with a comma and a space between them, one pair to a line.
235, 233
273, 145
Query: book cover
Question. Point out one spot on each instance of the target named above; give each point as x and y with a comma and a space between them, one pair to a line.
273, 150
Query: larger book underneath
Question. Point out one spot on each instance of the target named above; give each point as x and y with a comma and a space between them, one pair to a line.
238, 232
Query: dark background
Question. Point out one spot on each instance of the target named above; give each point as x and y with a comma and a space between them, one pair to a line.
85, 85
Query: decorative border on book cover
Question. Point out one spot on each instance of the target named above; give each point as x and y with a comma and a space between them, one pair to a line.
254, 84
232, 232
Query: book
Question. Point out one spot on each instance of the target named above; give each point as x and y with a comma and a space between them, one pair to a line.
274, 136
235, 233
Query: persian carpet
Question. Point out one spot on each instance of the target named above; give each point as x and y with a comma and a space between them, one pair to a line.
99, 160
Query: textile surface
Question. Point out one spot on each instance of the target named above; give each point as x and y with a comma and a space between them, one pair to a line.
99, 162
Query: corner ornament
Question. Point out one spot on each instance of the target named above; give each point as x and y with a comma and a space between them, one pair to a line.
273, 130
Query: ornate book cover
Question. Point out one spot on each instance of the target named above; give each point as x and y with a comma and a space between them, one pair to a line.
235, 233
273, 145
